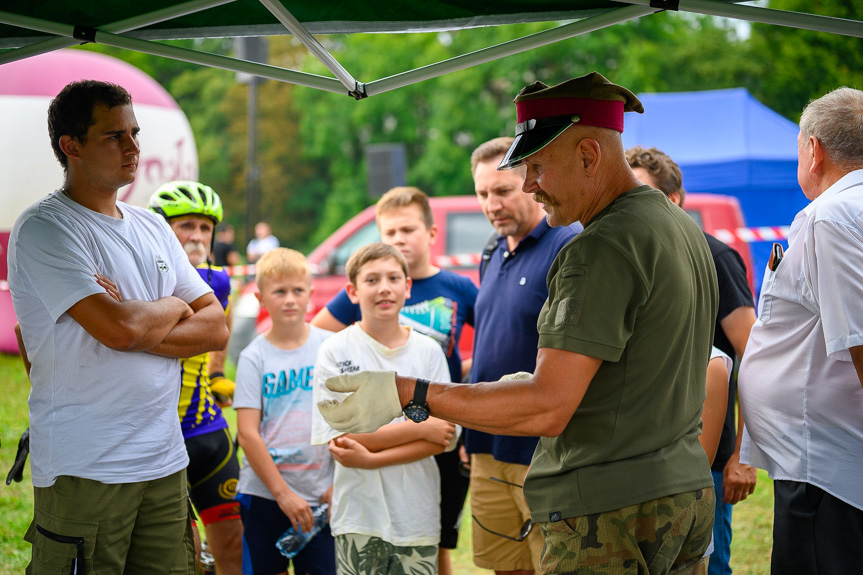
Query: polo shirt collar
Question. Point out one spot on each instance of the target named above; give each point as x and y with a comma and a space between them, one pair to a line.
535, 234
540, 230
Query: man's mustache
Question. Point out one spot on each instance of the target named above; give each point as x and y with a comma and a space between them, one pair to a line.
541, 198
195, 248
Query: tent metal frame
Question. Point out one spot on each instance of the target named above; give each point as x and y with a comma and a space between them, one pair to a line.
344, 83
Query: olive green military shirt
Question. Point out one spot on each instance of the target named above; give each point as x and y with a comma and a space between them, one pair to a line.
637, 289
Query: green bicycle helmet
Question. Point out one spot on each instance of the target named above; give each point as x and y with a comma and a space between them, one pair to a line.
176, 199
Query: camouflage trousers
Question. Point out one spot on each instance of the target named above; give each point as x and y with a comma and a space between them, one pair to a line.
364, 555
666, 535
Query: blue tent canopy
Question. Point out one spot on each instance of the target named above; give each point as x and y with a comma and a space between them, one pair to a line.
726, 142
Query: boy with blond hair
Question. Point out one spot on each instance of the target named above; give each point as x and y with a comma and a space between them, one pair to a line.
284, 478
385, 515
439, 305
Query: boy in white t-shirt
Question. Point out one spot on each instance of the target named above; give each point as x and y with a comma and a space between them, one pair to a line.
386, 513
283, 477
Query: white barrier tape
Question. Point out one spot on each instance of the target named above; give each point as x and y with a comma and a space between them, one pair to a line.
749, 235
243, 270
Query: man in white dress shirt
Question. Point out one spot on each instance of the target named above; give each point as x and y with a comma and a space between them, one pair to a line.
801, 380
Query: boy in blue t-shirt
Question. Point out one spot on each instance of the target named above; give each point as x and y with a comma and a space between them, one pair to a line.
284, 478
440, 303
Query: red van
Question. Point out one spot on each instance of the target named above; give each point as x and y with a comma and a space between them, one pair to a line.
721, 216
463, 231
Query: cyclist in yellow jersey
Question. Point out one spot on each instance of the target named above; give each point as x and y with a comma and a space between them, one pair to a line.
193, 210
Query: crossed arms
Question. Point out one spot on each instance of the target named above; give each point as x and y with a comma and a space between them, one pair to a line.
167, 326
393, 444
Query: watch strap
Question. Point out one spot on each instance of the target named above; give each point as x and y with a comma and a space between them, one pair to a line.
420, 390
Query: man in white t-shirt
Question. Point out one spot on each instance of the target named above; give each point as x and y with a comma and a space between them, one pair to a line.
800, 380
107, 301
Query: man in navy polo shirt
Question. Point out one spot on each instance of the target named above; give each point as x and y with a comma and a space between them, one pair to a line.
512, 291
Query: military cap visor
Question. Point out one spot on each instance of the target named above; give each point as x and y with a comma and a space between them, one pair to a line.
531, 136
545, 112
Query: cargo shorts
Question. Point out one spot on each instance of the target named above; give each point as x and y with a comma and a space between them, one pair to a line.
668, 535
85, 526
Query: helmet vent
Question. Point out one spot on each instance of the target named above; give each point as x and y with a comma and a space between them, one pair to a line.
187, 193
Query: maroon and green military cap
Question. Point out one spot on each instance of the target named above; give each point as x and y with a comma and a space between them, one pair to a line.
544, 112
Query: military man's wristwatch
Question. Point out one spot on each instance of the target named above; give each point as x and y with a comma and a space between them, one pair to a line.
418, 410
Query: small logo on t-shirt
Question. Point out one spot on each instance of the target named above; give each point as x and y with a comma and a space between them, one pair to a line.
161, 264
347, 366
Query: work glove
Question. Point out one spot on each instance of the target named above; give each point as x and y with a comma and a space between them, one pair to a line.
516, 375
222, 387
17, 472
374, 401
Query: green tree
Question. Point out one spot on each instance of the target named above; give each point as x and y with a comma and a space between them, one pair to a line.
215, 104
443, 119
796, 66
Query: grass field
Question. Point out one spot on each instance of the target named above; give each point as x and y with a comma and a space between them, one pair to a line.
753, 519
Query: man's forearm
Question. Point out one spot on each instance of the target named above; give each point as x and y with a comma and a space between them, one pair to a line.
500, 408
542, 405
217, 360
204, 331
217, 357
143, 324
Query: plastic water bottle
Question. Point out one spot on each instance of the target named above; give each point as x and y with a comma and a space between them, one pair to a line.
207, 563
293, 541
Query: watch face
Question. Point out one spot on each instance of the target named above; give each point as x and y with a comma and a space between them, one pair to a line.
416, 413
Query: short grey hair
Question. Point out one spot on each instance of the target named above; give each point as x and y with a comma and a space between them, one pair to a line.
836, 120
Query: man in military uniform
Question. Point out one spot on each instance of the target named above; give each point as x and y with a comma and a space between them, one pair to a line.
619, 482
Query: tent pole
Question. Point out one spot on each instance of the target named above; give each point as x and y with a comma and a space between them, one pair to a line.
176, 53
223, 62
117, 27
508, 48
287, 19
768, 16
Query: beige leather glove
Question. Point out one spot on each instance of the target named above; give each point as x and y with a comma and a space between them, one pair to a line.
516, 375
374, 401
